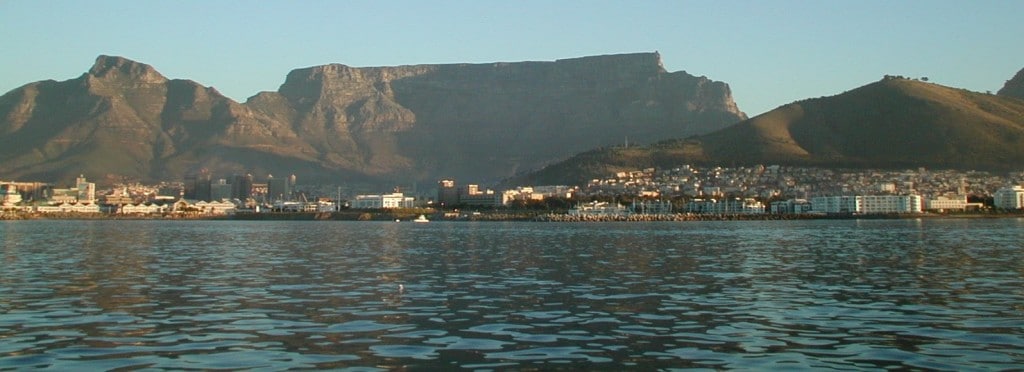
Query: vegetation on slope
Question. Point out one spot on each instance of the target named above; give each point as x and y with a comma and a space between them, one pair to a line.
893, 123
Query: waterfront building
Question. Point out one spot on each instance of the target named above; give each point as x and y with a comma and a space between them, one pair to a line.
220, 190
447, 193
885, 204
652, 207
384, 201
71, 208
86, 190
279, 189
944, 203
520, 193
30, 191
535, 193
599, 209
9, 195
725, 206
198, 186
791, 206
61, 196
219, 207
1009, 198
867, 204
473, 196
836, 204
309, 206
241, 187
144, 208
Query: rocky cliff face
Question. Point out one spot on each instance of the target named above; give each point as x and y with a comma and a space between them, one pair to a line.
408, 123
1014, 87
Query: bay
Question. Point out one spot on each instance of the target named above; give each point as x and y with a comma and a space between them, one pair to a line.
816, 294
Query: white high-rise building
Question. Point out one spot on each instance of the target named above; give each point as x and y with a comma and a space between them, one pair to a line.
86, 190
1009, 198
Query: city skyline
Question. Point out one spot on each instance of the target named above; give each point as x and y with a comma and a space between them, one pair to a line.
770, 53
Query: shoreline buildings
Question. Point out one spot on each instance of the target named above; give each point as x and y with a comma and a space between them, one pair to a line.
867, 204
383, 201
686, 189
449, 195
1009, 198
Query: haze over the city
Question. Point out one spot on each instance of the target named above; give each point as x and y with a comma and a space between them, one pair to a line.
771, 53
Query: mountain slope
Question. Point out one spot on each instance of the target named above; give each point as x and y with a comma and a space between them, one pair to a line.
334, 122
1014, 87
890, 123
125, 118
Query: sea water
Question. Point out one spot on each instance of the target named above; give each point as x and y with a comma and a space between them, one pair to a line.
836, 294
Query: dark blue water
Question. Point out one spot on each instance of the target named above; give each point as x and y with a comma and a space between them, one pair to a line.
925, 294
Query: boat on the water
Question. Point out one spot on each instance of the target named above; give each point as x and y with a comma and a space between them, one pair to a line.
421, 219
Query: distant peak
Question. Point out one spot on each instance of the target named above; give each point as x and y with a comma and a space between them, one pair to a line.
120, 67
1014, 87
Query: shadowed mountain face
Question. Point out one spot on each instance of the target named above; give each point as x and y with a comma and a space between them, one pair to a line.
1014, 87
892, 123
335, 123
124, 118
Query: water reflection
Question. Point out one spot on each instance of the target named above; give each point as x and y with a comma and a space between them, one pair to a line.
929, 294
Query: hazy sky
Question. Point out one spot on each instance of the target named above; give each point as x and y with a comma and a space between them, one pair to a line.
771, 52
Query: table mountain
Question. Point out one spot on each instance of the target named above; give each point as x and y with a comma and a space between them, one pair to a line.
335, 122
892, 123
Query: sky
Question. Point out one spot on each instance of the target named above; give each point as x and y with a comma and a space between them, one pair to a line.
770, 52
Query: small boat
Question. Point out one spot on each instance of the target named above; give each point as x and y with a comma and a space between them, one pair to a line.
421, 218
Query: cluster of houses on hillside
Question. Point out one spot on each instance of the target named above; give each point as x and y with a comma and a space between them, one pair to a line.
783, 189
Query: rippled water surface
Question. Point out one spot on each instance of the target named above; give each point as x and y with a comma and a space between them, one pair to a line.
944, 294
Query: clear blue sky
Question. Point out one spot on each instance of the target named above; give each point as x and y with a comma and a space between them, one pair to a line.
770, 52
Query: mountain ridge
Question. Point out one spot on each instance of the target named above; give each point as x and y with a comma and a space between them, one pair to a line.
890, 123
335, 122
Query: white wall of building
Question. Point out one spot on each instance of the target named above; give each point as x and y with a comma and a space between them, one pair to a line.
836, 204
1009, 198
386, 201
872, 204
949, 203
867, 204
726, 206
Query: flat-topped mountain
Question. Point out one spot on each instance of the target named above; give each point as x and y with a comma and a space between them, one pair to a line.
892, 123
334, 122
